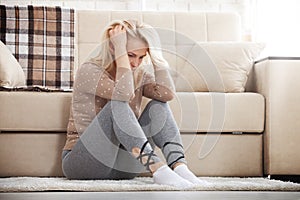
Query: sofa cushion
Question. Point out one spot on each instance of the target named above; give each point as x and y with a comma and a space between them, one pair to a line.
224, 155
40, 154
34, 154
215, 66
34, 111
11, 73
219, 112
193, 112
173, 28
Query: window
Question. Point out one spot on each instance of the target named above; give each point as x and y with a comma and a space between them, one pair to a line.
277, 23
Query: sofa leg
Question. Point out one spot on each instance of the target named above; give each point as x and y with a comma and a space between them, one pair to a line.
290, 178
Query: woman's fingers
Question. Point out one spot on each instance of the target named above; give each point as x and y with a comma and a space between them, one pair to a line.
118, 27
118, 36
116, 30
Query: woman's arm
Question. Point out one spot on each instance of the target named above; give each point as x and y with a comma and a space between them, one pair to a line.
118, 39
124, 84
120, 85
160, 86
95, 80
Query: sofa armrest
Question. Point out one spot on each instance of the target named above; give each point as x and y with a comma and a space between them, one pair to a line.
278, 80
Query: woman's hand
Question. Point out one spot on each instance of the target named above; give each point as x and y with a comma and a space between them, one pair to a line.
118, 39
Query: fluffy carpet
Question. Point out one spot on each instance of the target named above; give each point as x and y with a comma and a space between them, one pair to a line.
28, 184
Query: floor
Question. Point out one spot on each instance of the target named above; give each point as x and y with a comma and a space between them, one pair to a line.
205, 195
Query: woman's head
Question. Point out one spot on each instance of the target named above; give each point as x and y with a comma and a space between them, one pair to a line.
142, 41
137, 48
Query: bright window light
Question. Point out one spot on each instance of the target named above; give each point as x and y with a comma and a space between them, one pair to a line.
278, 24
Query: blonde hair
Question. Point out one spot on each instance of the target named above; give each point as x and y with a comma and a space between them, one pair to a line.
135, 29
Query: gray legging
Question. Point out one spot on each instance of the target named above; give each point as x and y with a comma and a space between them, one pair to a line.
103, 150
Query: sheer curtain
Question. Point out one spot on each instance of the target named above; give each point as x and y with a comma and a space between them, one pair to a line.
277, 22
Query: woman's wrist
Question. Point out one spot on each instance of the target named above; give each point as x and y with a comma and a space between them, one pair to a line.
120, 51
121, 59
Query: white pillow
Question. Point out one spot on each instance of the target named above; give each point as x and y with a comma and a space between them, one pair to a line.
11, 73
216, 66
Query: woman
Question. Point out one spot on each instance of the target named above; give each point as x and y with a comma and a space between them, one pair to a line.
107, 136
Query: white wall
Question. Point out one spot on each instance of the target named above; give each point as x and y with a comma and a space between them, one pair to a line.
243, 7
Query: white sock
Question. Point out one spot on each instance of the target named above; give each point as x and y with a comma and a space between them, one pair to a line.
184, 172
165, 176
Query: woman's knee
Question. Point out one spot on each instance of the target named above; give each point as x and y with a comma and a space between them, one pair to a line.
153, 102
114, 103
158, 107
156, 104
112, 107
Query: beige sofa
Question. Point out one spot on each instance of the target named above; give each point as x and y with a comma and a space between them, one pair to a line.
224, 133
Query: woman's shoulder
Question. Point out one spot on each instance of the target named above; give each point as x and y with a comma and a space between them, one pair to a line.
90, 67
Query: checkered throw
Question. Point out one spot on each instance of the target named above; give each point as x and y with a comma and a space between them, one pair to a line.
42, 40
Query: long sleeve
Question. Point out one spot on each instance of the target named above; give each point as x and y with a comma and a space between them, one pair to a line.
160, 86
97, 81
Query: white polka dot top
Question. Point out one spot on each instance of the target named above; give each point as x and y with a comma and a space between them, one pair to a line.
94, 87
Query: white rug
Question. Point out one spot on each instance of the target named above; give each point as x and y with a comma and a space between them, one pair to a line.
28, 184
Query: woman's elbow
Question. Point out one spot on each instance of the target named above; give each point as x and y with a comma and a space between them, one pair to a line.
168, 96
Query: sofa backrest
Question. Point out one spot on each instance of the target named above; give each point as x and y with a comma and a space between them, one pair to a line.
178, 31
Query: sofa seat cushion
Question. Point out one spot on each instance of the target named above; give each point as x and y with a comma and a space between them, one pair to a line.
34, 111
219, 112
193, 112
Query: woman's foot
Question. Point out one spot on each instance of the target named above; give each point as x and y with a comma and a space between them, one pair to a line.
183, 171
165, 176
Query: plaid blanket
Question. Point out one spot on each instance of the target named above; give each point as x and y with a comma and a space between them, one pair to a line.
32, 89
42, 40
